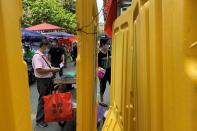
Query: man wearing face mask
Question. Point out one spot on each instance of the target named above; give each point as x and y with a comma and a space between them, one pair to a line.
104, 61
44, 76
56, 56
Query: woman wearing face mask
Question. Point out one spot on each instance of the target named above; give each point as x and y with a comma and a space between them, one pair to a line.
104, 61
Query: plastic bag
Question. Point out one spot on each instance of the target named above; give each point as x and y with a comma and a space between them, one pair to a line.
101, 73
58, 107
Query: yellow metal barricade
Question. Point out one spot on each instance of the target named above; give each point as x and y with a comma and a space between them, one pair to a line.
87, 20
179, 65
154, 67
14, 94
121, 114
149, 66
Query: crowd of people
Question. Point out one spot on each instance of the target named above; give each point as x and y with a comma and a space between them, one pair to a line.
47, 61
57, 54
50, 59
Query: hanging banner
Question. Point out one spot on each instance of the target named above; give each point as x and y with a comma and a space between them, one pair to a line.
111, 14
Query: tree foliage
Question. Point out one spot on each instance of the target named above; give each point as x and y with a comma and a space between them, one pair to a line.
69, 5
49, 11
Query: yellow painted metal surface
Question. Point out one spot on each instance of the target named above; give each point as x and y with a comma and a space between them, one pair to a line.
179, 68
154, 67
149, 66
121, 116
14, 95
87, 20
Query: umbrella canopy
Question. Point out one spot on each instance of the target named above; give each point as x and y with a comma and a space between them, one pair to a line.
58, 35
72, 38
31, 35
68, 40
44, 27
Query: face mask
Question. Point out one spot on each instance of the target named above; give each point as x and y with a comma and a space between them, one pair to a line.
106, 47
46, 51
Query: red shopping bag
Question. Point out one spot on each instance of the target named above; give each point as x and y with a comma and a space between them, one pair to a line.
58, 107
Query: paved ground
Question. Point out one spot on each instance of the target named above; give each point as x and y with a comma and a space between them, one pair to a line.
53, 126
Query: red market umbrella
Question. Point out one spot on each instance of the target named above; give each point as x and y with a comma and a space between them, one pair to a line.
68, 40
73, 38
44, 27
63, 41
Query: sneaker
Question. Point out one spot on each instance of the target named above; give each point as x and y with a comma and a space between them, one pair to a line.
42, 124
103, 104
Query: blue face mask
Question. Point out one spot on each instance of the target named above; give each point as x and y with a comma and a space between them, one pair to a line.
46, 51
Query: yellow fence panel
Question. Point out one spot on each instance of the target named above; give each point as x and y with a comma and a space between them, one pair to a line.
143, 69
154, 67
14, 94
149, 66
179, 65
121, 116
87, 20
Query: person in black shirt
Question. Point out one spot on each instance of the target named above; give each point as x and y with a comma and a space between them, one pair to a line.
56, 57
104, 61
74, 52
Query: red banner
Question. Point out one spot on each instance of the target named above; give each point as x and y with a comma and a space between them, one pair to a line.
111, 11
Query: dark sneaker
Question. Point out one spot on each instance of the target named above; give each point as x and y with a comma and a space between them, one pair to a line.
103, 104
42, 124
